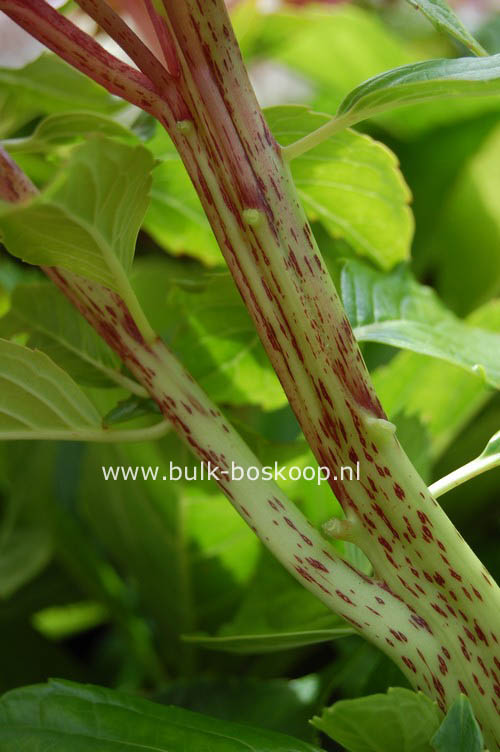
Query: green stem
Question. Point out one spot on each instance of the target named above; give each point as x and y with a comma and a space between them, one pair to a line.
463, 474
317, 137
101, 435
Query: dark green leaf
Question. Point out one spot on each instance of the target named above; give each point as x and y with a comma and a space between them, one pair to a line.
279, 704
399, 721
421, 82
55, 326
445, 19
256, 644
128, 409
395, 310
24, 552
90, 719
459, 732
38, 398
276, 614
182, 541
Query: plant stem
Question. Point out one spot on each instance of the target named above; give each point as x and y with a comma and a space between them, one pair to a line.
102, 435
462, 474
272, 516
326, 131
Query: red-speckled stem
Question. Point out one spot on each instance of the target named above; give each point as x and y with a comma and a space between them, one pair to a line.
79, 49
250, 199
272, 516
449, 643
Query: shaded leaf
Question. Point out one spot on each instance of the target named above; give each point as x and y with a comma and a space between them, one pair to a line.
255, 644
463, 249
90, 718
443, 396
55, 326
445, 19
186, 546
279, 704
395, 310
24, 552
277, 613
399, 721
39, 397
459, 732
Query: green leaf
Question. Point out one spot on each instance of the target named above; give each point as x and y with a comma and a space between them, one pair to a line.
352, 184
203, 319
24, 553
317, 43
258, 644
422, 82
492, 448
129, 409
277, 613
55, 326
279, 704
215, 338
399, 721
87, 718
395, 310
70, 619
445, 19
88, 221
443, 396
39, 397
314, 44
64, 128
188, 549
49, 85
459, 732
463, 247
175, 217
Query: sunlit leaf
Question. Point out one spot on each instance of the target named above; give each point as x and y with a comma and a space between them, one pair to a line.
175, 217
63, 128
421, 82
89, 220
352, 184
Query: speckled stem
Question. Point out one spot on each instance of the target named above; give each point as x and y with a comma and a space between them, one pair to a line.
446, 643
